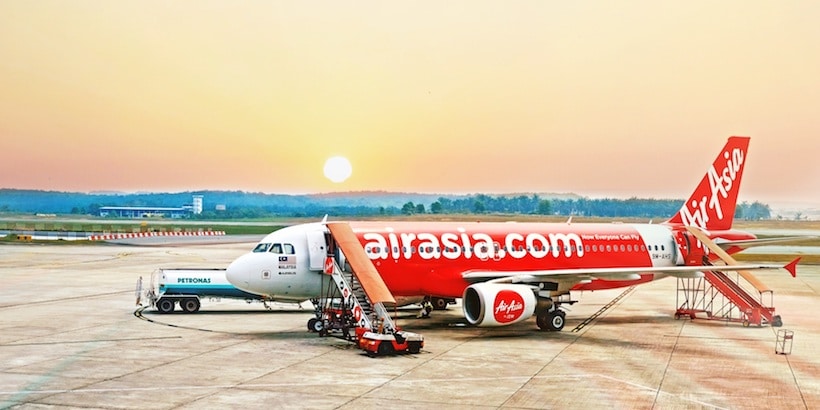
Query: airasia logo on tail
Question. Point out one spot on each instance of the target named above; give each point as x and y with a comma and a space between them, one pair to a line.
508, 306
721, 184
712, 205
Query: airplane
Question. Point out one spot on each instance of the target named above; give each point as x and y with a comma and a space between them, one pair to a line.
507, 272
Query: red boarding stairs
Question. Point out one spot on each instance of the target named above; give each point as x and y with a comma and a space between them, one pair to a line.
724, 296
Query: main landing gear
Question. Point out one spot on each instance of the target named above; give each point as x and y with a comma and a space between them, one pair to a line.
549, 316
551, 321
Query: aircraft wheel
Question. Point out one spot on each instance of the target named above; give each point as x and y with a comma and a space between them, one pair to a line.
165, 305
542, 321
557, 320
439, 303
315, 325
551, 321
189, 305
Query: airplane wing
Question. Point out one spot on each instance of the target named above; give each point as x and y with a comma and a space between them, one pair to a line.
745, 244
627, 273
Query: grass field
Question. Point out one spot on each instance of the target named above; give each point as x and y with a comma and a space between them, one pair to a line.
257, 227
106, 226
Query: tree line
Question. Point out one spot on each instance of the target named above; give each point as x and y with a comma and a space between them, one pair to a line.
598, 207
247, 205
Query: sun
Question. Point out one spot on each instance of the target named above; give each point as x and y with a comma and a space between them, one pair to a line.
338, 169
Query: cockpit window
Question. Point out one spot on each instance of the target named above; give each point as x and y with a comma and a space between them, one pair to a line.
276, 248
289, 249
262, 247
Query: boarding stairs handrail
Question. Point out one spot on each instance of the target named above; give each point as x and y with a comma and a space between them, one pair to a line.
355, 298
745, 302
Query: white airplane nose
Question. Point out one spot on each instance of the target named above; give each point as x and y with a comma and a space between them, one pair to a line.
238, 273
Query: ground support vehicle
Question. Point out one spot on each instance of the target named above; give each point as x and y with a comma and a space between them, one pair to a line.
188, 286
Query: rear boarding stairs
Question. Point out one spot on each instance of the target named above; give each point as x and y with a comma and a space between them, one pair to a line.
733, 297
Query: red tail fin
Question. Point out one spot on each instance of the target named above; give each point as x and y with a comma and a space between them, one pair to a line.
712, 205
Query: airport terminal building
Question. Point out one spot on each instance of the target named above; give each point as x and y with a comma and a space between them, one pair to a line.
136, 212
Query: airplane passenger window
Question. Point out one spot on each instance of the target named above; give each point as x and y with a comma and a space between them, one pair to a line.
622, 248
276, 248
262, 247
289, 249
595, 248
609, 248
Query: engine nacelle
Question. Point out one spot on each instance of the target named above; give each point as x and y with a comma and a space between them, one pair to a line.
494, 304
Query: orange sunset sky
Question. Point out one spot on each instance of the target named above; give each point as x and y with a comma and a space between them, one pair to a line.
600, 98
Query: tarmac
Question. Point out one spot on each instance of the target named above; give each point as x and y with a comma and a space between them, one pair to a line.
72, 336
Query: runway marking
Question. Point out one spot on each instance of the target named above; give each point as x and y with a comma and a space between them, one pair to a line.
734, 339
668, 363
602, 310
796, 382
374, 383
137, 339
138, 314
62, 300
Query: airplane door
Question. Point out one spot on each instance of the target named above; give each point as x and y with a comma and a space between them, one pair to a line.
690, 247
317, 249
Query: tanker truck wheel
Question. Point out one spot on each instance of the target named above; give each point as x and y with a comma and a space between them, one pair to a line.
189, 305
165, 305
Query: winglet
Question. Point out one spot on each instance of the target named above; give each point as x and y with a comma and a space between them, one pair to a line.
324, 220
792, 267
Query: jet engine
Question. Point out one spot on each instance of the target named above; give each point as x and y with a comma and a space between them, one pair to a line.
494, 304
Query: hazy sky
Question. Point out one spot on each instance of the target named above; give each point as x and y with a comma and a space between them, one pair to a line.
600, 98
